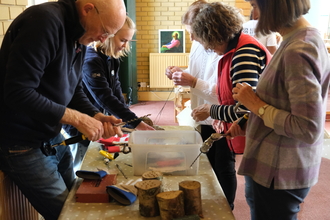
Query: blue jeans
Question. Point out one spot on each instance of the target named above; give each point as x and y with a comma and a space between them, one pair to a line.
272, 204
44, 180
249, 195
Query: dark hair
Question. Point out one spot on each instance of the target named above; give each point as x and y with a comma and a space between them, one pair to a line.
275, 14
217, 23
192, 11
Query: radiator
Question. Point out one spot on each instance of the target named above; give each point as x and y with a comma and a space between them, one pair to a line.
158, 62
13, 204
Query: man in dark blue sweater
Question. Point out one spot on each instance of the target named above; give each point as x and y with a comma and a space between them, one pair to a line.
40, 89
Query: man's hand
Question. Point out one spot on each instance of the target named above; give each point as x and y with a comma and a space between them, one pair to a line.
201, 113
93, 128
108, 122
89, 126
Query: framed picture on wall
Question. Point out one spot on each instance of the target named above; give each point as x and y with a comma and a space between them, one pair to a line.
171, 41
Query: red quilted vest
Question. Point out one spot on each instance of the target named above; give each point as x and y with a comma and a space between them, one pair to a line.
225, 87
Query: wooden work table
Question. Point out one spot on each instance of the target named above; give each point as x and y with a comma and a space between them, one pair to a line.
214, 203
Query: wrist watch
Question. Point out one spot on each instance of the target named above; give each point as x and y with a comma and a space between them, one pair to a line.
261, 110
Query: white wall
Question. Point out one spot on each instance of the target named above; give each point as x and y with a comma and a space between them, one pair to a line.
35, 2
318, 15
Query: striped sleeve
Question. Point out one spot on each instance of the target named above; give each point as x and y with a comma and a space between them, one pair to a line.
247, 65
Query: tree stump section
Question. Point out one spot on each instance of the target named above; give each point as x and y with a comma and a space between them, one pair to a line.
152, 175
171, 205
192, 197
147, 191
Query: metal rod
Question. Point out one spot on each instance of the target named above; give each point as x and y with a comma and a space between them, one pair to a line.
195, 159
124, 123
121, 171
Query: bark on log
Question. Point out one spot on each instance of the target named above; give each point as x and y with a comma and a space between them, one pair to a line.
192, 197
152, 175
147, 191
171, 205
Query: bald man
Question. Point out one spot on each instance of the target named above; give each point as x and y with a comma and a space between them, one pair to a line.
40, 89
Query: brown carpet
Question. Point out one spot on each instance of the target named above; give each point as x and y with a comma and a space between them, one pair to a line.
316, 205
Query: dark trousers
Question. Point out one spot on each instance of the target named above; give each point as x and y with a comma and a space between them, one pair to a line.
274, 204
222, 160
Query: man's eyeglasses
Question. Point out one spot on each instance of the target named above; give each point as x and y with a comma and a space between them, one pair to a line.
106, 33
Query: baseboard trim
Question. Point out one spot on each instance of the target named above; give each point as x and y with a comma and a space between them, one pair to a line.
156, 96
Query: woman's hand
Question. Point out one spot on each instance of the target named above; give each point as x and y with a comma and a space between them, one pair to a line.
201, 113
183, 79
170, 70
244, 93
235, 130
143, 126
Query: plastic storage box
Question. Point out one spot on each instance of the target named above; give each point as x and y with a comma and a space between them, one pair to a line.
170, 152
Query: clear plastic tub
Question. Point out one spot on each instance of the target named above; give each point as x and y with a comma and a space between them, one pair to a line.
170, 152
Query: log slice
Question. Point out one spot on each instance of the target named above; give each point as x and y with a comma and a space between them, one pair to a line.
152, 175
192, 197
170, 204
147, 191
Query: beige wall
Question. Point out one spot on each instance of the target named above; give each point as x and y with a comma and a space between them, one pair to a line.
152, 15
9, 9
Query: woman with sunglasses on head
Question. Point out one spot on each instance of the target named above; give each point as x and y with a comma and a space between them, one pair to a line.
101, 75
284, 133
101, 81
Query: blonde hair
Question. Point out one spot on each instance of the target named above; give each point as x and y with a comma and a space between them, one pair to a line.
108, 47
